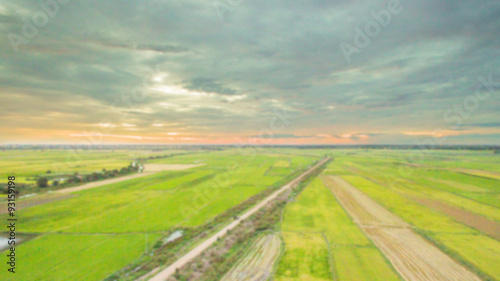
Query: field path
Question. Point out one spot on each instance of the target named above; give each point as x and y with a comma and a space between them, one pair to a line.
149, 169
101, 183
167, 272
411, 255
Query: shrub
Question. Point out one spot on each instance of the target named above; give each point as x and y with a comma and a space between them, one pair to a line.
42, 182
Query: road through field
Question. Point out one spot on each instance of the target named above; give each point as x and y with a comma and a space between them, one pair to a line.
149, 169
101, 183
167, 272
411, 255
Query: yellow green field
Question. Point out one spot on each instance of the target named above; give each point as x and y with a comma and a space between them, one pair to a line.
323, 243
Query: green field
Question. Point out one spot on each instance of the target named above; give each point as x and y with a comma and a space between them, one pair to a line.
95, 233
28, 165
77, 257
110, 223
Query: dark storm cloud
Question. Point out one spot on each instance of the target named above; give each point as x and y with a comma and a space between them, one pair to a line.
189, 66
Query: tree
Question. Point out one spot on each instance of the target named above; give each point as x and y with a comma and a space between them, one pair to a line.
55, 183
42, 182
95, 176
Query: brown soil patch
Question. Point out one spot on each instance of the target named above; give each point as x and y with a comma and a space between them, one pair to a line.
478, 222
412, 256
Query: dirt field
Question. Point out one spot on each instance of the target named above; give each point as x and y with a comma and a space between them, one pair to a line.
480, 223
257, 265
412, 256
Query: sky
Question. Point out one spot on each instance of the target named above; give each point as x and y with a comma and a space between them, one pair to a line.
240, 71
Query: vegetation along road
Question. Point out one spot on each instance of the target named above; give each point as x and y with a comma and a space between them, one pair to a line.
167, 272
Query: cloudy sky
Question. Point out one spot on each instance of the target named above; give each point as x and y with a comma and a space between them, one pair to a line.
227, 71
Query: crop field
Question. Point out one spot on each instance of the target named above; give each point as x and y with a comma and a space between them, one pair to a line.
456, 211
115, 224
370, 214
30, 163
320, 237
408, 252
437, 219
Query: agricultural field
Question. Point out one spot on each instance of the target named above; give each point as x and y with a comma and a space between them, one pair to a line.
115, 224
370, 215
457, 211
320, 237
437, 219
27, 165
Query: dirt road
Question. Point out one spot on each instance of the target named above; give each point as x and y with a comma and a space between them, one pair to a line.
101, 183
412, 256
149, 169
167, 272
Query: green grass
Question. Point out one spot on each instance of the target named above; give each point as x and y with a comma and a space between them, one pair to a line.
76, 257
